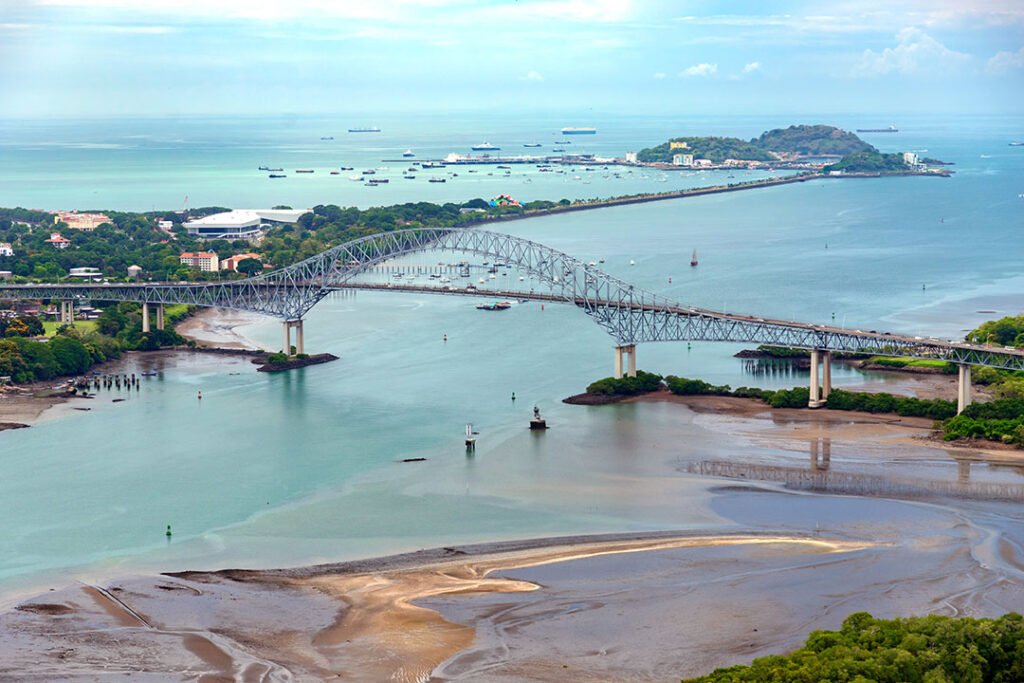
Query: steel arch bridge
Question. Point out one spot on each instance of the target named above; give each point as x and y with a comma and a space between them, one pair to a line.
630, 315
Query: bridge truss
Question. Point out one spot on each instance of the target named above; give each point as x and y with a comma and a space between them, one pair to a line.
627, 313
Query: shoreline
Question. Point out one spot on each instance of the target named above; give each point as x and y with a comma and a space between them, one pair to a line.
356, 619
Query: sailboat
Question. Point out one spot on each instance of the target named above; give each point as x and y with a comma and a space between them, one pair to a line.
693, 259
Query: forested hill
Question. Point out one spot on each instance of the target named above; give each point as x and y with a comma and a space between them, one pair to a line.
715, 149
812, 141
799, 140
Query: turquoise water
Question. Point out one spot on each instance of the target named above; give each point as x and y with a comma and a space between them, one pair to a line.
299, 467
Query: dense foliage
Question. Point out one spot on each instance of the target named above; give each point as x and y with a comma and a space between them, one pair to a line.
812, 141
626, 386
715, 149
936, 409
1003, 332
931, 649
869, 162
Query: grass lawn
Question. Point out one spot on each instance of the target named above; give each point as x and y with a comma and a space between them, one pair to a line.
50, 326
907, 362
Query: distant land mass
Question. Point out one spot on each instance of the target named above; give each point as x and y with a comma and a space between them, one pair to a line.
819, 140
812, 141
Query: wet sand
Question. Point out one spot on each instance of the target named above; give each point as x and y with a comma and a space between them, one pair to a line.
354, 621
218, 327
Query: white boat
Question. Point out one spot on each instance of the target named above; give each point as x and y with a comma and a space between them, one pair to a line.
408, 153
481, 280
355, 177
632, 262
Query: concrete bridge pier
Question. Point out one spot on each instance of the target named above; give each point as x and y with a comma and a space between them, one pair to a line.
67, 312
159, 316
145, 317
300, 344
621, 351
819, 393
963, 394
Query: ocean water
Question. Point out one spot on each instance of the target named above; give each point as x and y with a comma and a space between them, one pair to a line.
305, 466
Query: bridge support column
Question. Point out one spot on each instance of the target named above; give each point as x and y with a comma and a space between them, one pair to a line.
145, 317
814, 400
67, 312
300, 342
963, 394
621, 351
826, 375
159, 316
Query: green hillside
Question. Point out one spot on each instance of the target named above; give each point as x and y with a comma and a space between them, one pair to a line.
715, 149
812, 141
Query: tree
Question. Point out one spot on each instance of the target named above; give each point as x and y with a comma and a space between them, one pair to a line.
249, 266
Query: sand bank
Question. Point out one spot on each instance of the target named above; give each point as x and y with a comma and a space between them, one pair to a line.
219, 327
354, 621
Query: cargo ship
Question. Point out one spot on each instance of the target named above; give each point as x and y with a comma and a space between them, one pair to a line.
372, 129
486, 146
572, 130
890, 129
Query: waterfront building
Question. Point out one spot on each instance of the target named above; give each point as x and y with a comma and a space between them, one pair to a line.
687, 160
6, 249
57, 241
203, 260
630, 157
677, 159
678, 145
241, 223
133, 271
86, 222
6, 275
910, 158
231, 262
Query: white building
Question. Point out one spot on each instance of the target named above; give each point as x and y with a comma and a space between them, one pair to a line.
241, 223
6, 249
86, 273
630, 157
687, 160
910, 159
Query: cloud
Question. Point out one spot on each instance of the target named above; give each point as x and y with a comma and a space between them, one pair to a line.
704, 69
752, 67
659, 76
532, 76
915, 53
1005, 61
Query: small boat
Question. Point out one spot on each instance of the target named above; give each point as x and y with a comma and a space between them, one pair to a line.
335, 172
372, 129
409, 177
1017, 144
437, 180
355, 177
274, 170
498, 306
304, 170
408, 153
277, 175
531, 144
379, 181
369, 172
693, 259
504, 167
369, 184
632, 262
329, 137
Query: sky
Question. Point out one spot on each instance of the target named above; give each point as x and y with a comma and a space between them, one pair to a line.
75, 58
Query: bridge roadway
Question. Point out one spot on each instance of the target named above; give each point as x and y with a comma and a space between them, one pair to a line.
629, 314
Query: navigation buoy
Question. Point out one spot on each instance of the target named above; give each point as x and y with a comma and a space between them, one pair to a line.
168, 531
670, 280
542, 307
513, 395
200, 396
446, 337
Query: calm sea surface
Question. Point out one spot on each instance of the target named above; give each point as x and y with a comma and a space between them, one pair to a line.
286, 469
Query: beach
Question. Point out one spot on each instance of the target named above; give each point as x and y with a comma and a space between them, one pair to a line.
637, 605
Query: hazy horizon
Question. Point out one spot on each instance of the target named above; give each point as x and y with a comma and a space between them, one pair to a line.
104, 58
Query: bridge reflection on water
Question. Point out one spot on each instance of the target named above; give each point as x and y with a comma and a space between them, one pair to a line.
904, 478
